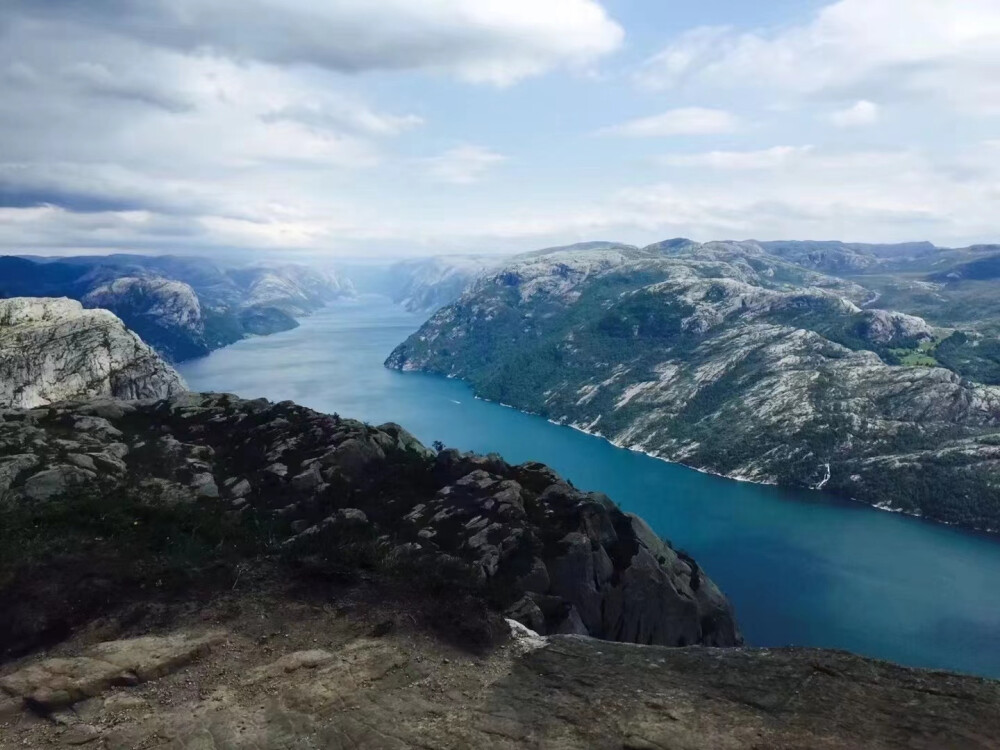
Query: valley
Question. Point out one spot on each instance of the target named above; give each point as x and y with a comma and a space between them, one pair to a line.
801, 567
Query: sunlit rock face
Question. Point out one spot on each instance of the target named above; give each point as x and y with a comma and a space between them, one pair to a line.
52, 349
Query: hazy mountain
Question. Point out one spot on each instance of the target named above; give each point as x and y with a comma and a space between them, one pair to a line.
182, 306
427, 284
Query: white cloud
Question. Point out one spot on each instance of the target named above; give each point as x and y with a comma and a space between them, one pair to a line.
177, 127
694, 50
768, 158
495, 42
682, 121
342, 115
858, 114
875, 196
193, 124
463, 165
852, 49
853, 195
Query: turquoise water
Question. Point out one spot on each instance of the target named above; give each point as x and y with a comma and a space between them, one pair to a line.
801, 569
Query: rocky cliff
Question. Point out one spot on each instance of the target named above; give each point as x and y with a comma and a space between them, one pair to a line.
205, 571
728, 358
322, 493
182, 306
53, 349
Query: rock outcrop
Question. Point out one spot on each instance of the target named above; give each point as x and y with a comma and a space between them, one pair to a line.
728, 359
58, 683
331, 492
53, 349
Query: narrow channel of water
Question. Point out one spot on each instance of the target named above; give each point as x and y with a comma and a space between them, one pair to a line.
801, 569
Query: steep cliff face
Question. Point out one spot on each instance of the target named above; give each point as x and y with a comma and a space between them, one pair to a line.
53, 350
729, 359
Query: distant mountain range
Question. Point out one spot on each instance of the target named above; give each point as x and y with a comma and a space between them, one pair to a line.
866, 370
183, 306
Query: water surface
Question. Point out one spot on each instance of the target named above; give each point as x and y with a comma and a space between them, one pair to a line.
801, 569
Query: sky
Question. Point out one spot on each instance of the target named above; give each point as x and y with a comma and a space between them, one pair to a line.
395, 127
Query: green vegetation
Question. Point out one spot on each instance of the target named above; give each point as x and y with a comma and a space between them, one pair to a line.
974, 357
921, 356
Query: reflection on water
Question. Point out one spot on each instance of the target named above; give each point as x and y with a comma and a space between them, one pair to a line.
800, 568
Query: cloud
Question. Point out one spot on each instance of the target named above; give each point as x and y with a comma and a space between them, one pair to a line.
187, 125
193, 124
850, 50
463, 165
95, 123
344, 116
858, 114
810, 193
851, 195
493, 42
769, 158
98, 80
682, 121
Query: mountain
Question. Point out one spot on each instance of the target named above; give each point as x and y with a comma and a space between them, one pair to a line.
733, 360
53, 350
428, 284
847, 257
953, 289
184, 307
210, 571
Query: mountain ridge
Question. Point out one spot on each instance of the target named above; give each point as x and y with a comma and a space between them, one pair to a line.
729, 359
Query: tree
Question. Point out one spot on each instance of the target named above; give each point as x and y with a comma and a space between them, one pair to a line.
438, 445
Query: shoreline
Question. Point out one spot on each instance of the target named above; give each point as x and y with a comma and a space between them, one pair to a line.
992, 533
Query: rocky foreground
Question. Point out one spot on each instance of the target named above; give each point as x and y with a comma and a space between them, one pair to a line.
52, 349
204, 571
356, 673
325, 494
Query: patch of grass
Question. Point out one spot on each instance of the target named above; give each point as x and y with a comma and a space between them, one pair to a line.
914, 358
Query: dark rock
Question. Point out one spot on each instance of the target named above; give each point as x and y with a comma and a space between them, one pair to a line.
346, 495
54, 482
